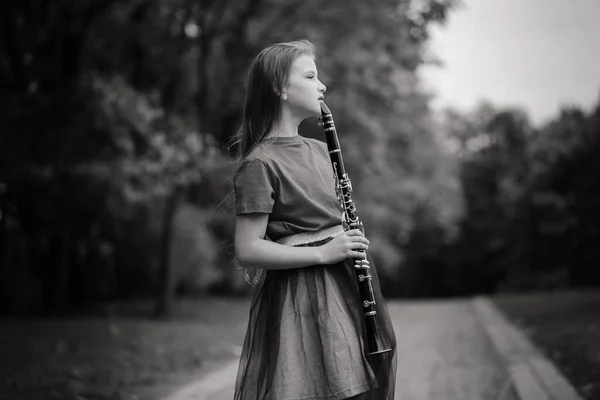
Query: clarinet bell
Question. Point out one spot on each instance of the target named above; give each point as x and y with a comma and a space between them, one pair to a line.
377, 342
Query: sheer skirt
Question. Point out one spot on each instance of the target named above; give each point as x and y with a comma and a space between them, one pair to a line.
305, 338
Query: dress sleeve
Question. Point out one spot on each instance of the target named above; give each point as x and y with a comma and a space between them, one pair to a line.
254, 190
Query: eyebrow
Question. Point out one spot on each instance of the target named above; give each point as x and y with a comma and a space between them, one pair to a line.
310, 71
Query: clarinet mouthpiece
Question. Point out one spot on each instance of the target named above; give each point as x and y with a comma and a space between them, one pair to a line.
324, 108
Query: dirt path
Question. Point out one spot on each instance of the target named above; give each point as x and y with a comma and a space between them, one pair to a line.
443, 354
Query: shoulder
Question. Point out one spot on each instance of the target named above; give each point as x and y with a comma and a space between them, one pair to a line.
262, 153
313, 141
256, 162
257, 153
256, 159
317, 145
251, 163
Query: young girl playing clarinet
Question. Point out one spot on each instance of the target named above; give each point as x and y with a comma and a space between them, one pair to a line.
305, 337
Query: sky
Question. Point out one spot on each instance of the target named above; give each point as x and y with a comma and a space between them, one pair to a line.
535, 54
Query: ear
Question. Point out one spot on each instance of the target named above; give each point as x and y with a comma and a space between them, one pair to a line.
281, 94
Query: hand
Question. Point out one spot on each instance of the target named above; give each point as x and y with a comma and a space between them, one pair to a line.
343, 246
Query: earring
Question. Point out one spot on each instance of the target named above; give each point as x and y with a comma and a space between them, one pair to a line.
284, 96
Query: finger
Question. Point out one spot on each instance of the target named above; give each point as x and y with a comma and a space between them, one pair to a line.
359, 246
360, 239
354, 232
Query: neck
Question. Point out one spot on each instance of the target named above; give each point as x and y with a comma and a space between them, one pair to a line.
286, 126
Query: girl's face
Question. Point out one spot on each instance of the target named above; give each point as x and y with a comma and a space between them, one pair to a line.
304, 89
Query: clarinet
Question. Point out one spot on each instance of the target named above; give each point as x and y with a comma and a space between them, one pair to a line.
377, 342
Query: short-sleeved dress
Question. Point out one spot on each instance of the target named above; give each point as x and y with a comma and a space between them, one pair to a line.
305, 336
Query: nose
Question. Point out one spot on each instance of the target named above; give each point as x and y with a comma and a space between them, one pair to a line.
322, 88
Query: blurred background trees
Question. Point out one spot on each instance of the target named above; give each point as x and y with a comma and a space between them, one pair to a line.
115, 178
531, 219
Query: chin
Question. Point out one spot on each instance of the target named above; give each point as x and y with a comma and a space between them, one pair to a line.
317, 110
312, 111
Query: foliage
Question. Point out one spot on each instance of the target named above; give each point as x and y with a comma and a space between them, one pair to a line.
117, 110
116, 113
531, 199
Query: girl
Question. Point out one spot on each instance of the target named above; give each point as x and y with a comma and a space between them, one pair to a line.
305, 332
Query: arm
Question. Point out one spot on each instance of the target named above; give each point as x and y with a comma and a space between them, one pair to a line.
251, 250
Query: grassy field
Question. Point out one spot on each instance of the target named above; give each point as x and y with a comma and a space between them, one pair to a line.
125, 355
565, 326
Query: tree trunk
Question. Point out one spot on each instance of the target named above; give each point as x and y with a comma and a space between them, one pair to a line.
62, 287
167, 284
3, 239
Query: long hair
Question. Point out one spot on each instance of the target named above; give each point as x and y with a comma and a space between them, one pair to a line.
267, 77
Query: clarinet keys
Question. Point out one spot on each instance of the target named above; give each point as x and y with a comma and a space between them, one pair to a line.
361, 264
375, 339
368, 303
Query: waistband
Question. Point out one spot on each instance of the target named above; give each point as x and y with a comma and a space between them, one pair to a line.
308, 237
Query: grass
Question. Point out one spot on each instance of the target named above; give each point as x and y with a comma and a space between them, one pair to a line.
123, 355
565, 326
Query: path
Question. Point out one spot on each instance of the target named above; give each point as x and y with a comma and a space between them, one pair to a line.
445, 349
444, 354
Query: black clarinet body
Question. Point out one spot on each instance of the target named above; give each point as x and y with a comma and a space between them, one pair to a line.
376, 341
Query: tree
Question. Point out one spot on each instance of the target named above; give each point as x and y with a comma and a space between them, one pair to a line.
493, 148
116, 113
531, 198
